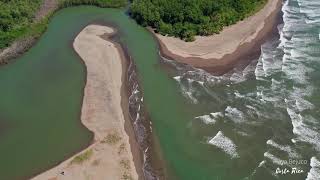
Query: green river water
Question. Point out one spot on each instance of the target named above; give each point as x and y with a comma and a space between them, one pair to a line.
41, 93
242, 125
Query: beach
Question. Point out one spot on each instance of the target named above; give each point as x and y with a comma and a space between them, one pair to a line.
218, 53
104, 112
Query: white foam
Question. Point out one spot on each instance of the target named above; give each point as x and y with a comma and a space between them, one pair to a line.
314, 172
242, 133
207, 119
259, 72
238, 95
237, 77
216, 114
190, 97
177, 78
225, 144
303, 132
303, 104
188, 93
273, 158
234, 114
262, 163
286, 148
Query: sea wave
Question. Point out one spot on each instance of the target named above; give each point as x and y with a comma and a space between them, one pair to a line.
225, 144
210, 118
303, 132
286, 148
273, 158
234, 114
314, 172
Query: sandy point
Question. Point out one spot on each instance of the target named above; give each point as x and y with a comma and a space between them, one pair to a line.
233, 43
110, 156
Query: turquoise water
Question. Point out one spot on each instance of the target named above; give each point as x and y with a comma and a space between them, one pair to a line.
243, 125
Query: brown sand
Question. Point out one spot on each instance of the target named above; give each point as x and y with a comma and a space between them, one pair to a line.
46, 8
217, 53
110, 155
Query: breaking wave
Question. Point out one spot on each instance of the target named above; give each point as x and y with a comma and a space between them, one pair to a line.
225, 144
273, 102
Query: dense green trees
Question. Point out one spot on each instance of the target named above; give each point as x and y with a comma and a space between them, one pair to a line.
17, 17
180, 18
187, 18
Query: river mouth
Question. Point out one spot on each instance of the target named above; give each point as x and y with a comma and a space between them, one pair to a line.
241, 125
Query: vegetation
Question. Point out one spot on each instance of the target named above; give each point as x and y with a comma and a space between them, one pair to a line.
122, 148
180, 18
111, 139
125, 164
17, 17
82, 157
126, 176
187, 18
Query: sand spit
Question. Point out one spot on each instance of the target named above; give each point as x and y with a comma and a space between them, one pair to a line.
235, 40
110, 156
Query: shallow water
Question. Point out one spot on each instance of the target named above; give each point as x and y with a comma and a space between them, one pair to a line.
242, 125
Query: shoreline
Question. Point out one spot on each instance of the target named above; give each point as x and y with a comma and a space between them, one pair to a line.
130, 160
23, 44
134, 145
217, 60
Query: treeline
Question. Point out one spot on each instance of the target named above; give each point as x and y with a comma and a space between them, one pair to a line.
17, 17
187, 18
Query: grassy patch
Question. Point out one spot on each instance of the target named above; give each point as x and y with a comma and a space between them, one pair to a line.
82, 157
126, 176
122, 148
111, 139
125, 164
17, 17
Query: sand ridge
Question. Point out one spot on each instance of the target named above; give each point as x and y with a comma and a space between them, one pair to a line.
109, 157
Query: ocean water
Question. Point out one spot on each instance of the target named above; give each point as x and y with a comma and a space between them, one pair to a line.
267, 116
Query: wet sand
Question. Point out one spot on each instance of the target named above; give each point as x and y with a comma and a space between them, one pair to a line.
220, 53
113, 154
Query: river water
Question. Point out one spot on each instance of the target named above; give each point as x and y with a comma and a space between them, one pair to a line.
243, 125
